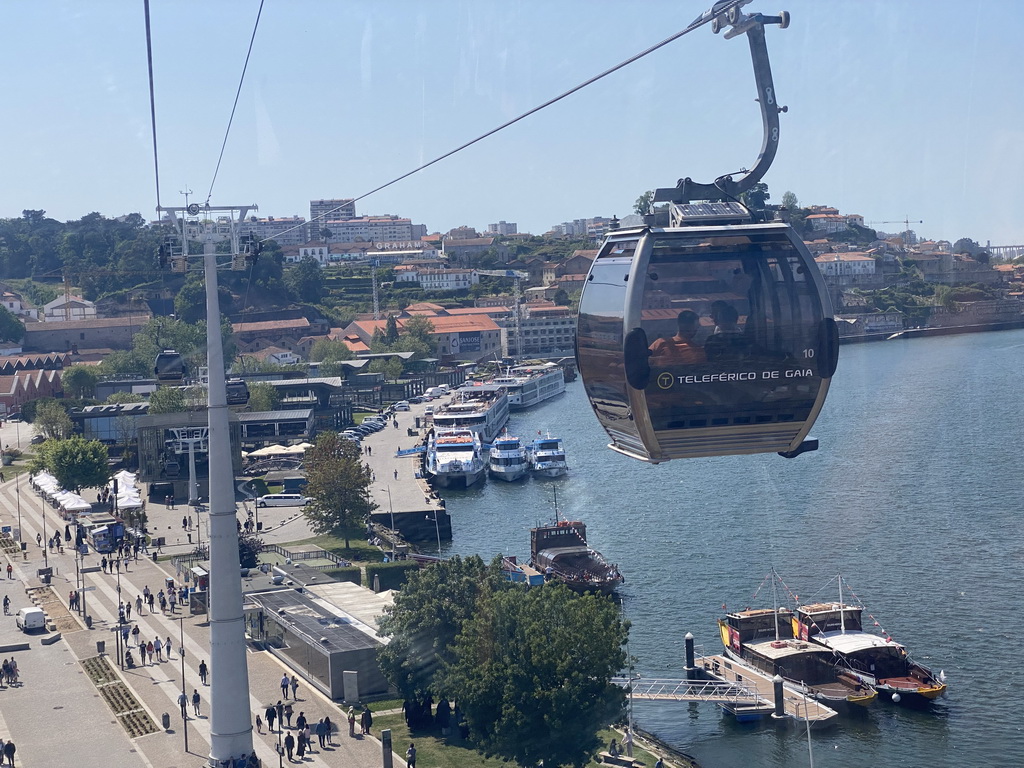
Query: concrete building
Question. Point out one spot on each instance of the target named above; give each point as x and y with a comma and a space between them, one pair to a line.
370, 229
291, 230
336, 209
97, 333
503, 228
14, 304
438, 279
68, 308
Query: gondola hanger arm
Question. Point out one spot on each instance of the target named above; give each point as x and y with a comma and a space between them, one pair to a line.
726, 187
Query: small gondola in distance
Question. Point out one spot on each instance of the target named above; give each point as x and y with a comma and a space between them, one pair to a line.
169, 367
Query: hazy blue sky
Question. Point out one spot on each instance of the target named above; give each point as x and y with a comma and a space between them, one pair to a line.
895, 108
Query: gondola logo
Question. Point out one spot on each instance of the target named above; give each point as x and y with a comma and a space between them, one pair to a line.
665, 380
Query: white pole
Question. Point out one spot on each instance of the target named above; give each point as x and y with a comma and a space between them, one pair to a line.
230, 724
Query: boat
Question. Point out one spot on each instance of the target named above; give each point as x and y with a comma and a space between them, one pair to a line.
531, 384
762, 638
876, 660
482, 408
507, 459
454, 458
547, 457
560, 551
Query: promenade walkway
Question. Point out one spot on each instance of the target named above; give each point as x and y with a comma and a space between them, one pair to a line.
87, 728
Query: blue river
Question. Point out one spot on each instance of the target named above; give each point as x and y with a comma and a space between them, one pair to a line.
914, 497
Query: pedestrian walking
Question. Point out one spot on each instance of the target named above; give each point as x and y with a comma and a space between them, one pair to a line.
279, 710
173, 599
295, 688
7, 605
351, 721
203, 671
306, 738
135, 634
138, 605
150, 651
150, 600
184, 523
259, 724
328, 730
410, 756
300, 721
103, 564
271, 714
289, 746
158, 646
396, 474
167, 647
288, 714
128, 611
183, 703
195, 701
10, 571
366, 721
9, 750
321, 729
300, 747
284, 686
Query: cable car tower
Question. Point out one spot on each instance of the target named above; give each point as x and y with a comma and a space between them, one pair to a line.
204, 235
708, 331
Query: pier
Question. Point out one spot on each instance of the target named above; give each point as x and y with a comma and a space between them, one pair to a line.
405, 501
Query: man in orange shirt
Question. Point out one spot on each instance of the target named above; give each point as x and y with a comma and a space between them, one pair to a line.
680, 349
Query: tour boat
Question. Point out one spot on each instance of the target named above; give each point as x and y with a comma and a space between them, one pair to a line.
507, 459
547, 457
454, 458
529, 385
560, 551
482, 408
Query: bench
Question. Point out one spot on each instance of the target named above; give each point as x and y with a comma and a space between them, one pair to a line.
625, 762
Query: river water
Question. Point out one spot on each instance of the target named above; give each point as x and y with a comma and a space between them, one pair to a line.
914, 496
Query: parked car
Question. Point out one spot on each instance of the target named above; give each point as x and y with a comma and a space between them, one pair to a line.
402, 405
282, 500
37, 439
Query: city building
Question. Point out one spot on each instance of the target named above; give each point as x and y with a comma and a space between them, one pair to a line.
284, 231
372, 229
503, 228
335, 209
74, 335
438, 279
68, 308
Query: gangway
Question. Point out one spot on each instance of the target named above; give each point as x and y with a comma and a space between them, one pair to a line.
411, 451
716, 691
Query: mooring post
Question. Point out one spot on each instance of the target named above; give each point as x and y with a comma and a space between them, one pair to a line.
691, 667
780, 701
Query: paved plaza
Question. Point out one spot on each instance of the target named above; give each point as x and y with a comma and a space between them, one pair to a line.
58, 712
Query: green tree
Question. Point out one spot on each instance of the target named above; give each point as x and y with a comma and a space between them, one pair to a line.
561, 298
190, 302
11, 328
125, 397
52, 420
420, 328
533, 665
756, 197
966, 245
390, 330
249, 548
330, 351
338, 485
645, 203
393, 368
168, 400
426, 617
305, 281
263, 396
789, 201
80, 380
76, 463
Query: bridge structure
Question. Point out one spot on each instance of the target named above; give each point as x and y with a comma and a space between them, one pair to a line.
714, 691
1005, 251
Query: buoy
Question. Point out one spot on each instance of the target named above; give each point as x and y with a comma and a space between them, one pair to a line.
896, 698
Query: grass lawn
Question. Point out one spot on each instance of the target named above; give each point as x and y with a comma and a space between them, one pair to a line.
453, 752
361, 551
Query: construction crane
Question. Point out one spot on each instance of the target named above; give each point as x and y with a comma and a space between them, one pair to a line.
517, 311
906, 222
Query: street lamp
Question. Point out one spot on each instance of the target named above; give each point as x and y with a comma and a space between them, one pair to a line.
391, 509
437, 530
181, 652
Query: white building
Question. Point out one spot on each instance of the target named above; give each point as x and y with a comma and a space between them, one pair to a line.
845, 264
370, 229
336, 209
13, 303
503, 228
438, 279
73, 308
287, 231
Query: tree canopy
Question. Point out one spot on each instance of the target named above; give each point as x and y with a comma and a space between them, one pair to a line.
76, 463
52, 420
263, 396
79, 381
305, 281
338, 485
527, 666
11, 328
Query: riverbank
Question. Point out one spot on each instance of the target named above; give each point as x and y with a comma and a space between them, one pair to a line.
911, 333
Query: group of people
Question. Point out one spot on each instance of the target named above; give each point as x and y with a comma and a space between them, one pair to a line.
726, 342
7, 750
169, 599
183, 703
9, 672
299, 742
147, 648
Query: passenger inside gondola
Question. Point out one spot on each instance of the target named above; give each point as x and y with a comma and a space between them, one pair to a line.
728, 342
680, 348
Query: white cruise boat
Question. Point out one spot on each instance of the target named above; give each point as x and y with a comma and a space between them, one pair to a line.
482, 408
547, 457
529, 385
507, 459
455, 458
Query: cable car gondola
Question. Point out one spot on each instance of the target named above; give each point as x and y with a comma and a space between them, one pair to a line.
170, 367
708, 331
237, 392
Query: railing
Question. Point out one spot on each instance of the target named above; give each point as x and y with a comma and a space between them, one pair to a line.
692, 690
336, 561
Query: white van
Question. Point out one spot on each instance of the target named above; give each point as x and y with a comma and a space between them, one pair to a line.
29, 619
436, 392
282, 500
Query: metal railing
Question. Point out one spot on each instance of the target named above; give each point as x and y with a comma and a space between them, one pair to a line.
692, 690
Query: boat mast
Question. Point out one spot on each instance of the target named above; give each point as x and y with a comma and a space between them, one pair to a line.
842, 609
775, 600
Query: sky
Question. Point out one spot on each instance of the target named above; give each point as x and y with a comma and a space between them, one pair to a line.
897, 110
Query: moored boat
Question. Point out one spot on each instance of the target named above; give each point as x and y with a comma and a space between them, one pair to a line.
876, 660
532, 384
560, 551
482, 408
762, 638
547, 457
507, 459
454, 458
